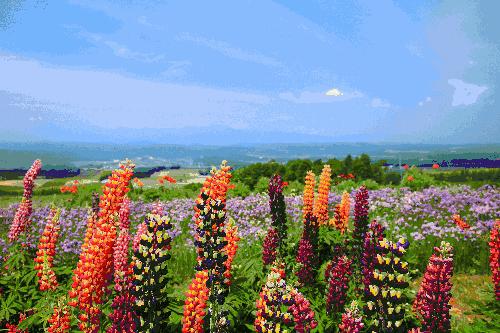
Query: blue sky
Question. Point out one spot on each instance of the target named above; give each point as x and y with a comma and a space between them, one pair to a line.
250, 71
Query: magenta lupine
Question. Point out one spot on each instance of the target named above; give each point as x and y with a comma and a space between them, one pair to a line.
278, 209
123, 318
352, 320
303, 315
372, 238
307, 253
270, 246
433, 299
337, 277
361, 222
22, 218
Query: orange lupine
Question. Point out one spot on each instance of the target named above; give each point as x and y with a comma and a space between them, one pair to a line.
345, 209
231, 248
321, 203
410, 178
95, 265
460, 222
195, 304
60, 321
46, 252
308, 198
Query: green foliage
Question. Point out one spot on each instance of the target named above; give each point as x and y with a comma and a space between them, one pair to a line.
239, 190
416, 179
491, 176
103, 175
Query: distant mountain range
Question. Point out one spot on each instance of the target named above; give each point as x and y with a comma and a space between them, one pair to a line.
20, 155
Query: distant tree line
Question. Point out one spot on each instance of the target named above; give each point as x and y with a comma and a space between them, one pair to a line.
361, 167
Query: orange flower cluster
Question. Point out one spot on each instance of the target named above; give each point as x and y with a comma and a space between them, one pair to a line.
46, 252
348, 176
195, 304
321, 203
70, 188
22, 218
308, 199
95, 266
169, 179
138, 182
460, 222
410, 178
342, 211
60, 321
230, 249
495, 257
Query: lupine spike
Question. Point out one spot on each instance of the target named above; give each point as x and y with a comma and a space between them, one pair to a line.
46, 251
23, 213
352, 320
494, 244
433, 298
321, 202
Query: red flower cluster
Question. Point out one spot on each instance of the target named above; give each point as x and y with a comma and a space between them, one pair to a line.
361, 222
60, 321
195, 304
433, 299
70, 188
46, 252
12, 328
138, 182
348, 176
278, 209
95, 266
270, 246
460, 222
303, 315
435, 166
169, 179
22, 218
337, 276
307, 255
410, 178
495, 257
352, 320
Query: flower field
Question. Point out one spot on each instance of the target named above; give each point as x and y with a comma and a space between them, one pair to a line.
371, 260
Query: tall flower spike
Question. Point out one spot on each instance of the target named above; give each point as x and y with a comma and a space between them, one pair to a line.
23, 213
433, 299
60, 320
150, 275
321, 203
307, 253
360, 225
278, 209
345, 210
337, 277
270, 247
210, 218
372, 238
232, 240
46, 252
308, 198
95, 266
195, 305
352, 320
386, 303
495, 257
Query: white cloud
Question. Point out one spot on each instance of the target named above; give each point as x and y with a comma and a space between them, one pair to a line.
380, 103
428, 99
309, 97
334, 92
465, 93
230, 51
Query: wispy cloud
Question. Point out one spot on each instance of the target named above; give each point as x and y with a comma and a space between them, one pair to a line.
465, 93
231, 51
112, 100
380, 103
309, 97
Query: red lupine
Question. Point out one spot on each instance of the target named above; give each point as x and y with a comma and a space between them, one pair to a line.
60, 321
307, 253
432, 302
12, 328
23, 213
361, 222
352, 320
46, 252
337, 277
231, 247
495, 257
95, 266
303, 315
